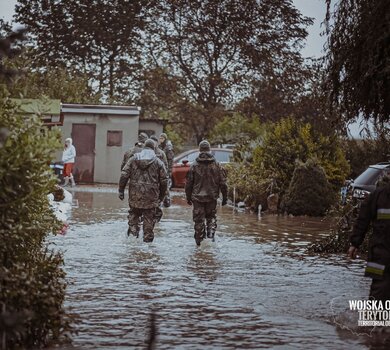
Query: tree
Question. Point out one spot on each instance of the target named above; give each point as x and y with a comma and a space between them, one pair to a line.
357, 60
97, 38
216, 49
54, 83
9, 48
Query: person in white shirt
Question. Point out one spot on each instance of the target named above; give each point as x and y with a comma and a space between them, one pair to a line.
68, 157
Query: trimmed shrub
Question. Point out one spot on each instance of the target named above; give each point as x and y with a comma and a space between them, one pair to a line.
309, 192
32, 281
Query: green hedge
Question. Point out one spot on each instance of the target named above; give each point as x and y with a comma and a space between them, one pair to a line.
32, 281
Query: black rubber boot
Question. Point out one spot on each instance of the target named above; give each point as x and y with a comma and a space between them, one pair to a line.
131, 233
167, 202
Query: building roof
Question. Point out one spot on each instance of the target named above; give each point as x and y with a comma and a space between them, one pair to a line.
100, 109
37, 106
154, 120
49, 110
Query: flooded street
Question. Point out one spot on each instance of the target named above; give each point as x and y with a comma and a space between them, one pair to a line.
253, 288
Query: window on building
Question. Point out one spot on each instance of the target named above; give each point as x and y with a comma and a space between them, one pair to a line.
114, 138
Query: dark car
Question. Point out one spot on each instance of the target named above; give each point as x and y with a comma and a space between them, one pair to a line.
182, 163
365, 183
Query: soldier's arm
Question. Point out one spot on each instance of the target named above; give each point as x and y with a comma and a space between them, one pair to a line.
170, 155
164, 159
163, 180
125, 175
189, 184
124, 160
366, 215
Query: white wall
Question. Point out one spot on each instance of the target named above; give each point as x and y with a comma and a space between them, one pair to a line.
107, 159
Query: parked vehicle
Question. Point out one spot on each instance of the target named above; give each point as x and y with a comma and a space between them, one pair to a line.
182, 163
365, 183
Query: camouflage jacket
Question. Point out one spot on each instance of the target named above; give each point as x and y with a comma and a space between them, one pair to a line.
167, 147
205, 179
147, 179
376, 210
128, 154
161, 155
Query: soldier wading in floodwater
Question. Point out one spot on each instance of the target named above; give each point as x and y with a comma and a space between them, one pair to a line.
376, 210
147, 187
138, 147
167, 147
205, 179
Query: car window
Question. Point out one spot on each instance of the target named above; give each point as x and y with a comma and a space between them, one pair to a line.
368, 177
190, 157
221, 156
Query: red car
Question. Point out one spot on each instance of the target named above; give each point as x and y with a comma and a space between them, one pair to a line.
182, 163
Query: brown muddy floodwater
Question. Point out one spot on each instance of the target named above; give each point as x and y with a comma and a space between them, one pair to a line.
254, 288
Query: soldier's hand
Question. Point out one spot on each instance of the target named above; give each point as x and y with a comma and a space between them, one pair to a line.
189, 202
224, 201
352, 251
121, 196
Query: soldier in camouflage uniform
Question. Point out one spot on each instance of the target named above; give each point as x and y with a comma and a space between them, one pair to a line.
138, 147
159, 152
160, 155
375, 210
167, 147
147, 187
205, 179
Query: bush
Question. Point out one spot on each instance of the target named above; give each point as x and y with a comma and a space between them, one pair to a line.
31, 277
309, 192
246, 185
288, 141
271, 166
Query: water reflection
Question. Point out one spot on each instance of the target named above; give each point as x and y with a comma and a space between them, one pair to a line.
204, 264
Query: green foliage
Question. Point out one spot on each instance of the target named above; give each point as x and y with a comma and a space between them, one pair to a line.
357, 61
245, 184
175, 138
237, 129
31, 277
272, 165
309, 192
55, 83
290, 140
246, 133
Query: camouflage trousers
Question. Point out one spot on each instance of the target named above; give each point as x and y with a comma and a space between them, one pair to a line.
380, 289
148, 217
205, 219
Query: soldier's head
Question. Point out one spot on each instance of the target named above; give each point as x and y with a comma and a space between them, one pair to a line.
155, 139
204, 146
149, 143
163, 137
142, 137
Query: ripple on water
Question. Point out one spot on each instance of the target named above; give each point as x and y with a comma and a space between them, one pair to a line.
253, 288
